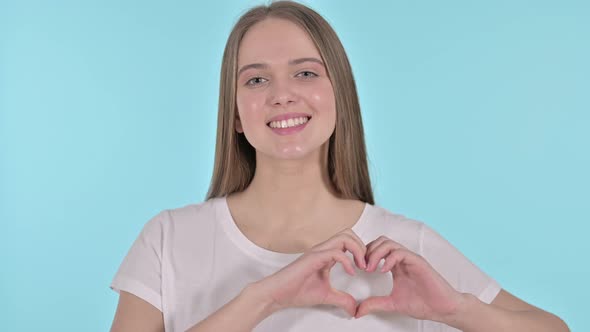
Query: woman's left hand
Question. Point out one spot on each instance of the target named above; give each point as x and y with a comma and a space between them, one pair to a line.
419, 291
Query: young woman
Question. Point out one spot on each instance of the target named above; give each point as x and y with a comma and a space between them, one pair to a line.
289, 238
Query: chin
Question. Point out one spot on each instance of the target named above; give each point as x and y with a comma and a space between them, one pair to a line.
288, 153
298, 153
291, 153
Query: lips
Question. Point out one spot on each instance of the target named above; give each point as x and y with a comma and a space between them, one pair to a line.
288, 116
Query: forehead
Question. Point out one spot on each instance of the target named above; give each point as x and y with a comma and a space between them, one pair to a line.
275, 40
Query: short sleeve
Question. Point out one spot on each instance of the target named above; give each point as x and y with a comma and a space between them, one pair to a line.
459, 271
140, 273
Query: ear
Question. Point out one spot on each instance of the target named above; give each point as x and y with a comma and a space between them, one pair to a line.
239, 128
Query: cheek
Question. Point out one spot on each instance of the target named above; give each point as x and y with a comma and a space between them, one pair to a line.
324, 100
249, 106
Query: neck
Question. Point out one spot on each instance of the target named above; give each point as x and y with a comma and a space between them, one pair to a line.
292, 193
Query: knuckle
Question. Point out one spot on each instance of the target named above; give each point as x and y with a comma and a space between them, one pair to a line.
400, 253
336, 252
345, 236
381, 249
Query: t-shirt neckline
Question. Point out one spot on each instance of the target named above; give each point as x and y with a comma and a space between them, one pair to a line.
264, 255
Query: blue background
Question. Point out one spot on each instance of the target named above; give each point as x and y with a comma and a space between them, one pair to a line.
476, 118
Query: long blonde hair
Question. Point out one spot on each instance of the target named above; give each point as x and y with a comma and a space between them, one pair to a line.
235, 158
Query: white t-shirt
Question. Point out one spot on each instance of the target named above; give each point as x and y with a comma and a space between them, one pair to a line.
189, 261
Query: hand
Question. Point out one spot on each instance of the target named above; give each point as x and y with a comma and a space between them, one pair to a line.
306, 281
419, 291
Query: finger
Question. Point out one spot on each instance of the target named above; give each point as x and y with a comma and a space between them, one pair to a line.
378, 241
342, 300
396, 257
346, 242
357, 239
357, 248
358, 251
361, 258
328, 257
375, 243
378, 253
335, 240
371, 247
345, 261
374, 304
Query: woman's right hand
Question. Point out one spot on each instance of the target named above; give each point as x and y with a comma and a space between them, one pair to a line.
306, 281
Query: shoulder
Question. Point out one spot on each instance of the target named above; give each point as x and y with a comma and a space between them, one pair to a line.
412, 233
382, 217
190, 213
398, 227
183, 218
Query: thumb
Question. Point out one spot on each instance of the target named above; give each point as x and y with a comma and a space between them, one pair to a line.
342, 300
375, 303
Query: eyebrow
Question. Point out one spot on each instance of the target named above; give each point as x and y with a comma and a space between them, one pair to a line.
291, 63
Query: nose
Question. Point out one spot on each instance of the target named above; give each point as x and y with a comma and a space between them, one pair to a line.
281, 93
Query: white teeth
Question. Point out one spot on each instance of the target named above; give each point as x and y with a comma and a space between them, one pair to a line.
288, 123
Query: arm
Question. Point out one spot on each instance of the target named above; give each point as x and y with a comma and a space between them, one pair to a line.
241, 314
505, 313
421, 292
301, 283
135, 314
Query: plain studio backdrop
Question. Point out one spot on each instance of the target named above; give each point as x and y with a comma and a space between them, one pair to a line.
476, 118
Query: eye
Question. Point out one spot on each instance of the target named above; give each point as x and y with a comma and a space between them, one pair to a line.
255, 81
307, 74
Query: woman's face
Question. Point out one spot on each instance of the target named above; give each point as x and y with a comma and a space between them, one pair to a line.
285, 100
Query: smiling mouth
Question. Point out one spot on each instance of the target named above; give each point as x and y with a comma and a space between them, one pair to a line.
293, 122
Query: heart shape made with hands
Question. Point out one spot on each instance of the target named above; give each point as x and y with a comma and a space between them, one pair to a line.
410, 286
361, 286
